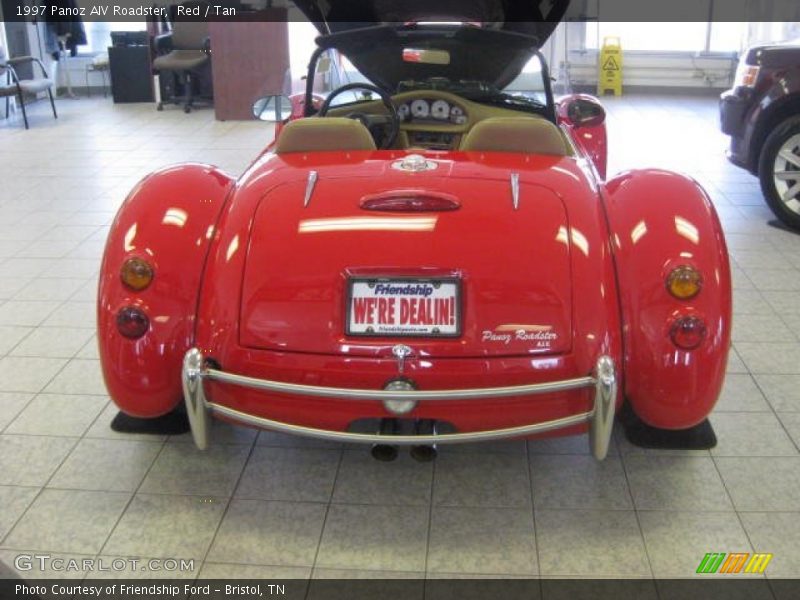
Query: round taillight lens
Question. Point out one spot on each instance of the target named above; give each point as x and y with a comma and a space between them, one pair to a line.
684, 282
136, 274
688, 333
132, 322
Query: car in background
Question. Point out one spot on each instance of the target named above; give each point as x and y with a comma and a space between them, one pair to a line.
761, 113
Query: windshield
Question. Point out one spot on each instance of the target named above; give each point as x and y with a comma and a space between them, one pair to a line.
527, 92
390, 54
530, 83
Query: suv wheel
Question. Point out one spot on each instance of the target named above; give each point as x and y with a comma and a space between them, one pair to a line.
779, 172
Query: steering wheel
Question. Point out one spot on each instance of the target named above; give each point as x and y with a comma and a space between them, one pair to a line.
384, 128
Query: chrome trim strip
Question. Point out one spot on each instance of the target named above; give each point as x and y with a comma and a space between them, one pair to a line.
361, 394
399, 440
600, 418
515, 190
312, 182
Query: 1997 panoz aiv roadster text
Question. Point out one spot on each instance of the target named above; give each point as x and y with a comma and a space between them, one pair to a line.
438, 260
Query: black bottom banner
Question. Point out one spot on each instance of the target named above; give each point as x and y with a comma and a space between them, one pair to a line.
402, 589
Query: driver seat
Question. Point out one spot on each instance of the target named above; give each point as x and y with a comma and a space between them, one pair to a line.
316, 134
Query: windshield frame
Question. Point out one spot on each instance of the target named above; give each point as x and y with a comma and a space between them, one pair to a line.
549, 111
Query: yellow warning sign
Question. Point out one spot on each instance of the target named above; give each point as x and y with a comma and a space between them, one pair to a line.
610, 66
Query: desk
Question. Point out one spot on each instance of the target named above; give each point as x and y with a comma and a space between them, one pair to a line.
249, 59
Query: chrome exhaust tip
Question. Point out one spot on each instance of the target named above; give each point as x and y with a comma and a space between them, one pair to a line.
424, 454
384, 452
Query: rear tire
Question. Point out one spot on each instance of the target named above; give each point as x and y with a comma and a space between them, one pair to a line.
778, 163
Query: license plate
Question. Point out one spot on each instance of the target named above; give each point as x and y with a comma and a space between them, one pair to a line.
404, 307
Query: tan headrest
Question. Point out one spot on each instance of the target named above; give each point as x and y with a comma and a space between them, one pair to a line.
528, 135
320, 134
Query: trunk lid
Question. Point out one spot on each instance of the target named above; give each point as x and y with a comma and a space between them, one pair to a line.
512, 266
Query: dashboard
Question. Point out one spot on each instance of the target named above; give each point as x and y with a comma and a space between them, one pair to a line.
432, 110
430, 119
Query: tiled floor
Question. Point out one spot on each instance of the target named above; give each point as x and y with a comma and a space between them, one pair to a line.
264, 505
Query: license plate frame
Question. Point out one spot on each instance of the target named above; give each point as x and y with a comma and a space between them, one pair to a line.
440, 285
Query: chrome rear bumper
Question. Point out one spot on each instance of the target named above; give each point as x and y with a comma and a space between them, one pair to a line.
600, 417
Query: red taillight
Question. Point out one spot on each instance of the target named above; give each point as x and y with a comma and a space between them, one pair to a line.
746, 75
132, 322
688, 333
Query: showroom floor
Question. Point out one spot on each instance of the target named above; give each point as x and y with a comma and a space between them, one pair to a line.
265, 505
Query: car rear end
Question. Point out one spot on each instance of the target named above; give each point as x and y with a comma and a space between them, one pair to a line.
467, 304
765, 92
737, 104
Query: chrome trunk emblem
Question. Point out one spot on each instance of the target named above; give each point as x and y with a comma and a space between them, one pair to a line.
401, 352
415, 163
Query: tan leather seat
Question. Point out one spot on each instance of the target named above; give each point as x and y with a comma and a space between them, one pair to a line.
528, 135
321, 134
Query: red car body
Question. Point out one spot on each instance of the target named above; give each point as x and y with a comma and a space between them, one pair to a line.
250, 280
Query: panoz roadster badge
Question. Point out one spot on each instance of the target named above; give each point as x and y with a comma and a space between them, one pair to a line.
541, 336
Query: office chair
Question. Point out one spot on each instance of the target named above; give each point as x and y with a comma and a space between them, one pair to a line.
14, 86
185, 53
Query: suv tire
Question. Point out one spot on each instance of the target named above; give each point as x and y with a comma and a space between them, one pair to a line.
780, 158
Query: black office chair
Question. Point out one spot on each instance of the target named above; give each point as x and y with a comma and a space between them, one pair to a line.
185, 54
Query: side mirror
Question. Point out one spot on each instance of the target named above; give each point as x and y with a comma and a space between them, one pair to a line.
586, 112
275, 109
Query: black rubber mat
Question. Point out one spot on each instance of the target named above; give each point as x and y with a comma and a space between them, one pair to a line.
639, 433
173, 423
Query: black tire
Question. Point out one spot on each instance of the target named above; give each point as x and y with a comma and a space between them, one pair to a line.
788, 213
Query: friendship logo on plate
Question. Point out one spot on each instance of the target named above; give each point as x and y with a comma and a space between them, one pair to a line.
398, 307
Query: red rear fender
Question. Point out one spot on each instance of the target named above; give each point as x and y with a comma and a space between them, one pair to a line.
168, 220
659, 221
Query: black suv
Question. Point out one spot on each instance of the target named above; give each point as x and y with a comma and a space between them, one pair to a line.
762, 115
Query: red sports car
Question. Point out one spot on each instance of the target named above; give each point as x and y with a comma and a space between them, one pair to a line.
433, 257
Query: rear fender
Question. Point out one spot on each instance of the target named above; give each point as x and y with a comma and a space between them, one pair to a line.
169, 220
660, 220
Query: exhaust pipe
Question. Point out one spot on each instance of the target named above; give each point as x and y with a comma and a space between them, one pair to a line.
385, 452
424, 453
